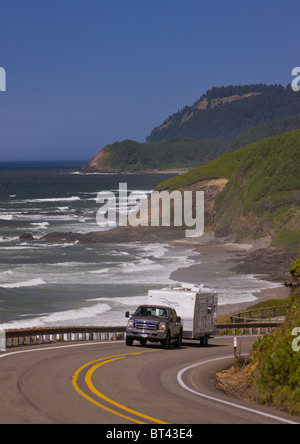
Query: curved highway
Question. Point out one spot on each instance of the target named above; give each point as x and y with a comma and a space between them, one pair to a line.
109, 383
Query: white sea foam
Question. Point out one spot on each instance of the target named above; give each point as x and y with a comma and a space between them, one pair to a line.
240, 289
119, 253
6, 217
40, 225
8, 239
8, 272
101, 271
59, 217
16, 248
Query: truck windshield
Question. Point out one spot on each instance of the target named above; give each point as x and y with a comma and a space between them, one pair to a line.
152, 311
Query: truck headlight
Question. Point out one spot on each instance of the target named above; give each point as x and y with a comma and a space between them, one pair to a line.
162, 327
130, 324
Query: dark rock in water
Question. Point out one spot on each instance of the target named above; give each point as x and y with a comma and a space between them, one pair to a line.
62, 237
270, 262
26, 237
119, 234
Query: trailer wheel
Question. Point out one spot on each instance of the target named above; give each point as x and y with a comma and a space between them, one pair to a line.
204, 341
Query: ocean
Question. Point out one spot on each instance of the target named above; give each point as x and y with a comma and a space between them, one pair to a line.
44, 284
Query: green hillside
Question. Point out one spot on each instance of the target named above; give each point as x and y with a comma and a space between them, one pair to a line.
269, 129
262, 196
178, 153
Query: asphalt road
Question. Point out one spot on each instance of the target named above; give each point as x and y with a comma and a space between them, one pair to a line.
109, 383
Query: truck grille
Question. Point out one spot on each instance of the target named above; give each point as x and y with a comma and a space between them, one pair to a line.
145, 326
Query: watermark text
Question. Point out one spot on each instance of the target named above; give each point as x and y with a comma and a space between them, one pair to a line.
2, 80
160, 209
2, 341
296, 342
296, 81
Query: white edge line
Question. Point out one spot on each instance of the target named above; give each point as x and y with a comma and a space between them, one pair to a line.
58, 347
221, 401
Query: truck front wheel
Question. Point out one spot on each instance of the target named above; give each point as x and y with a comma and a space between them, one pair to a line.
166, 342
178, 343
129, 342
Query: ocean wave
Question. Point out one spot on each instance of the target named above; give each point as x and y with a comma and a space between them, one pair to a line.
78, 317
56, 199
35, 247
72, 264
59, 217
141, 266
127, 301
30, 283
78, 173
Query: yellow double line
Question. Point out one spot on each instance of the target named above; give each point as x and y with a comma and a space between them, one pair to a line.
88, 380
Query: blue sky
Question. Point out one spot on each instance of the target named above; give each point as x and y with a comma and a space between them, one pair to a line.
85, 73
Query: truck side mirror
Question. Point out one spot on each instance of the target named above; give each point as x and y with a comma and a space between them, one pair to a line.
178, 319
127, 314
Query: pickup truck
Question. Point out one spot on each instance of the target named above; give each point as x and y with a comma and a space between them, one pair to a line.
197, 307
154, 323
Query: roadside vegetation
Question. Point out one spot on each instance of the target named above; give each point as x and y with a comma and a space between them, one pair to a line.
272, 374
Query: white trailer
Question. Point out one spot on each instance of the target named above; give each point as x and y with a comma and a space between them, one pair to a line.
196, 306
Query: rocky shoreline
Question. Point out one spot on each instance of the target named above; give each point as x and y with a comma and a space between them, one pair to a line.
257, 257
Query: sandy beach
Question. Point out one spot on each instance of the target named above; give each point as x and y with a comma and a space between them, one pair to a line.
219, 260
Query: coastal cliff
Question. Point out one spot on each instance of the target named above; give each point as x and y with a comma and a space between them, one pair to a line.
223, 119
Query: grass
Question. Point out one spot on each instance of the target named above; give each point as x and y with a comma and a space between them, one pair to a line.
225, 319
287, 240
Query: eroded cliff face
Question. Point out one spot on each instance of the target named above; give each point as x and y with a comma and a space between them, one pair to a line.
98, 164
202, 105
214, 103
147, 233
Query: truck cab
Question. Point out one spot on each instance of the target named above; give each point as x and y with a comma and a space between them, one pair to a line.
156, 324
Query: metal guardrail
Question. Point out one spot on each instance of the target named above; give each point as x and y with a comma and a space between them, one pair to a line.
249, 328
39, 336
261, 313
